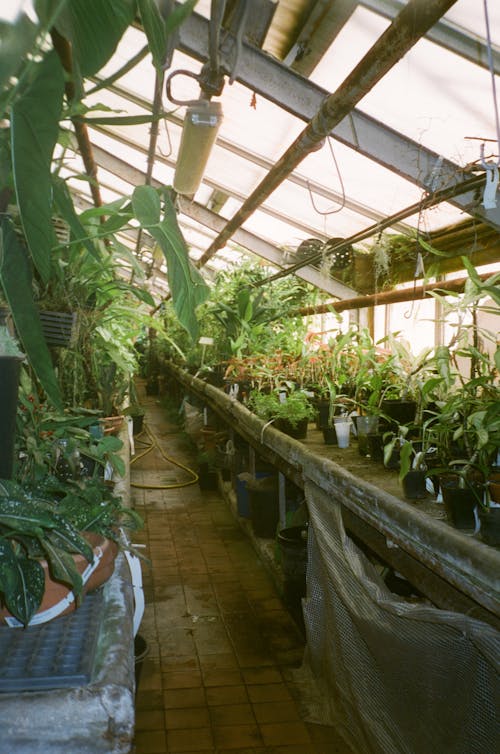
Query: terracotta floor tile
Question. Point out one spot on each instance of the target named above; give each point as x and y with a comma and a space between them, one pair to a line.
222, 678
271, 692
149, 720
260, 675
181, 679
218, 695
187, 717
178, 698
275, 734
179, 663
149, 700
189, 739
150, 742
232, 714
218, 661
276, 712
216, 678
236, 736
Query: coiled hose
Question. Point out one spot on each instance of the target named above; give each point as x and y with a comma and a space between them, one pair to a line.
154, 445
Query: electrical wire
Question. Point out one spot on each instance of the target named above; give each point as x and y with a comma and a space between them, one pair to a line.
343, 200
154, 445
492, 74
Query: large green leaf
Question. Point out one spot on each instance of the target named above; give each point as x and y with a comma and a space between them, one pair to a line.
187, 286
65, 205
26, 589
35, 127
94, 28
15, 41
62, 566
158, 29
15, 278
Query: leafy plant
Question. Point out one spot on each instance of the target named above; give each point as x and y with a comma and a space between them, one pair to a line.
42, 98
46, 522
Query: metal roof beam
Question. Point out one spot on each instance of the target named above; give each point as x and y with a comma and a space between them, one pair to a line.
444, 33
325, 21
298, 96
255, 159
244, 238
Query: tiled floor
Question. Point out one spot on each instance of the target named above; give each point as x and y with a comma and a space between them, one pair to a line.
220, 640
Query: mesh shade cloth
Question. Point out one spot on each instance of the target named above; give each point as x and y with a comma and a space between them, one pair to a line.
394, 677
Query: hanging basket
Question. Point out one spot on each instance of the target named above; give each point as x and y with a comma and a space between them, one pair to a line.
341, 259
364, 273
58, 327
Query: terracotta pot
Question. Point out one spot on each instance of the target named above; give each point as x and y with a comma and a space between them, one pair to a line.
104, 549
494, 486
112, 424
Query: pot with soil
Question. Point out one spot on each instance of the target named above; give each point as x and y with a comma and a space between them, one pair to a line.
263, 497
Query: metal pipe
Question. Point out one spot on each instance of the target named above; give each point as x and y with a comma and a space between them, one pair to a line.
415, 19
425, 203
387, 297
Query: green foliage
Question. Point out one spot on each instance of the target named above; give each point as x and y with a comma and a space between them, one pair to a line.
294, 406
15, 277
33, 102
46, 522
34, 130
186, 284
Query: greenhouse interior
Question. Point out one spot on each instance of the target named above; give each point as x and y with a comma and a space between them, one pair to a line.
249, 376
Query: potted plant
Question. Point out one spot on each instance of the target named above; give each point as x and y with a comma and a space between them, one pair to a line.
290, 410
51, 535
207, 470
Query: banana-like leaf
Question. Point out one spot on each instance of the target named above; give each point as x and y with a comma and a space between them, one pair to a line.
15, 41
15, 277
66, 207
187, 286
158, 29
124, 120
34, 129
94, 28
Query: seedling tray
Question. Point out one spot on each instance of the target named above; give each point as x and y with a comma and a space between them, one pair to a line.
53, 655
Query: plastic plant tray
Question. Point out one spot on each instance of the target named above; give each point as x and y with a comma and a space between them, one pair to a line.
57, 654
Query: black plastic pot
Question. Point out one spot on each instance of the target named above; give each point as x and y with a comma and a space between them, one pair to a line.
293, 546
9, 384
329, 435
460, 503
375, 445
400, 411
414, 485
207, 477
490, 526
137, 423
141, 651
297, 431
323, 409
264, 506
153, 386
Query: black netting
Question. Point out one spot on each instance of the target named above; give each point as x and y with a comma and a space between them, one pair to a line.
395, 677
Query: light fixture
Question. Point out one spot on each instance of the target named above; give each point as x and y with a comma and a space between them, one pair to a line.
201, 125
